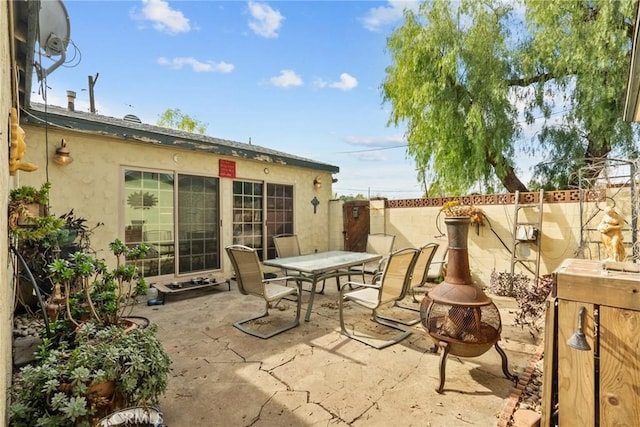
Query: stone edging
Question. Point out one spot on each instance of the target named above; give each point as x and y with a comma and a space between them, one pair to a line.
523, 380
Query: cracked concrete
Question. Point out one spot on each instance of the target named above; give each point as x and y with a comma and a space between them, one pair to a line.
314, 376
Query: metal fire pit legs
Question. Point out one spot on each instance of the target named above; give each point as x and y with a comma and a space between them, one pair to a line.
443, 364
505, 364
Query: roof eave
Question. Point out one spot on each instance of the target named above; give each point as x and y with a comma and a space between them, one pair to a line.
130, 133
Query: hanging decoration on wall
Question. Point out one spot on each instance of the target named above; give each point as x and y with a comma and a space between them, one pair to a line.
18, 147
315, 202
142, 200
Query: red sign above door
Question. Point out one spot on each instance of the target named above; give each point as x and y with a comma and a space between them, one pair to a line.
227, 168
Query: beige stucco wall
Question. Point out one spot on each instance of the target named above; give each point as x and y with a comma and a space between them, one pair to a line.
561, 231
336, 240
91, 185
6, 290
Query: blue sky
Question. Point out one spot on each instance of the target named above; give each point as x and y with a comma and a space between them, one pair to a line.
302, 77
298, 76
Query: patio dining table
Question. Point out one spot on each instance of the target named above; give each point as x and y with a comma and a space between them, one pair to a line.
320, 266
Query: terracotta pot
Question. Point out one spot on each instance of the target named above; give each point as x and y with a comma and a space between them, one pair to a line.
52, 311
32, 210
104, 389
129, 325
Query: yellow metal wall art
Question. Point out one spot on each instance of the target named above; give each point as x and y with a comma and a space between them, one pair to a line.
18, 147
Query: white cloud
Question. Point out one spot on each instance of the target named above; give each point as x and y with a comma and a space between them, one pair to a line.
265, 21
346, 82
197, 66
286, 78
376, 141
378, 17
162, 17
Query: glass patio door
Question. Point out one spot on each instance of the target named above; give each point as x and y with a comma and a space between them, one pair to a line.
251, 205
177, 216
198, 224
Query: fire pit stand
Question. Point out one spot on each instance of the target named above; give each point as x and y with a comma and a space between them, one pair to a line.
458, 315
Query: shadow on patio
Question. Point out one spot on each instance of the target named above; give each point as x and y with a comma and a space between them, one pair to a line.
312, 375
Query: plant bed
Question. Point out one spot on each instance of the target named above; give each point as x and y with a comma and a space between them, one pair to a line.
63, 387
527, 394
88, 346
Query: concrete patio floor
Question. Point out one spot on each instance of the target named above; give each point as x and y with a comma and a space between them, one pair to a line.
314, 376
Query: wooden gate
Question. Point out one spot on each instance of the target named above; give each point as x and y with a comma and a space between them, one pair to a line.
355, 219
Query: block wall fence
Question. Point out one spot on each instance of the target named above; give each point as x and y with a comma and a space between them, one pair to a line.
569, 226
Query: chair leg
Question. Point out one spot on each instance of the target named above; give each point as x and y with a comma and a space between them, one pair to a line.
240, 324
411, 322
403, 307
372, 341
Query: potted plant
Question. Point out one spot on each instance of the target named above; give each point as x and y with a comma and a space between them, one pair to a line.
89, 290
27, 202
27, 214
76, 382
88, 347
39, 249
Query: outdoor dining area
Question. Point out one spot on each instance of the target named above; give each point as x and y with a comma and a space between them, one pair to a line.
360, 354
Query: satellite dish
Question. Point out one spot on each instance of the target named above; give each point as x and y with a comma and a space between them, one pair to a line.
53, 21
54, 33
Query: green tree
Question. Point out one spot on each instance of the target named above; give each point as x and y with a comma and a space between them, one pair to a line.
461, 70
175, 119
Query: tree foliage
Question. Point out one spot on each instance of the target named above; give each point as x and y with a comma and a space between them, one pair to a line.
467, 75
174, 118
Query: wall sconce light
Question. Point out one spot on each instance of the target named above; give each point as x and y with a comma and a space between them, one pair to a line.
62, 156
317, 182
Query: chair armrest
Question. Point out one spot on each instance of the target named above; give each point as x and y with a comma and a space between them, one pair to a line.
285, 278
382, 263
278, 279
358, 284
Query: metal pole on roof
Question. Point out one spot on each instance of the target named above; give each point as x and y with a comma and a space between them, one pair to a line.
92, 83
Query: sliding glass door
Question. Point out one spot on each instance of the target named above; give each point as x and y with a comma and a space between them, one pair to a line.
177, 216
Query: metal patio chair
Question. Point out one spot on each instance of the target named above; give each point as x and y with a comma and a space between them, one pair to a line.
436, 268
388, 287
418, 278
378, 243
424, 268
251, 281
288, 245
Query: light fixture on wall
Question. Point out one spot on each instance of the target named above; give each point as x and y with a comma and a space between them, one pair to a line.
317, 182
63, 156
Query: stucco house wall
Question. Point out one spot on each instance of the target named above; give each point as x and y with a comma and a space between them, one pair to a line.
6, 291
92, 184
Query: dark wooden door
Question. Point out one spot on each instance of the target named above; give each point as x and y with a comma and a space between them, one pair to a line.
355, 219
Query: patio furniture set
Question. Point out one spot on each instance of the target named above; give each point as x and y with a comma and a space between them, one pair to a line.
394, 274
